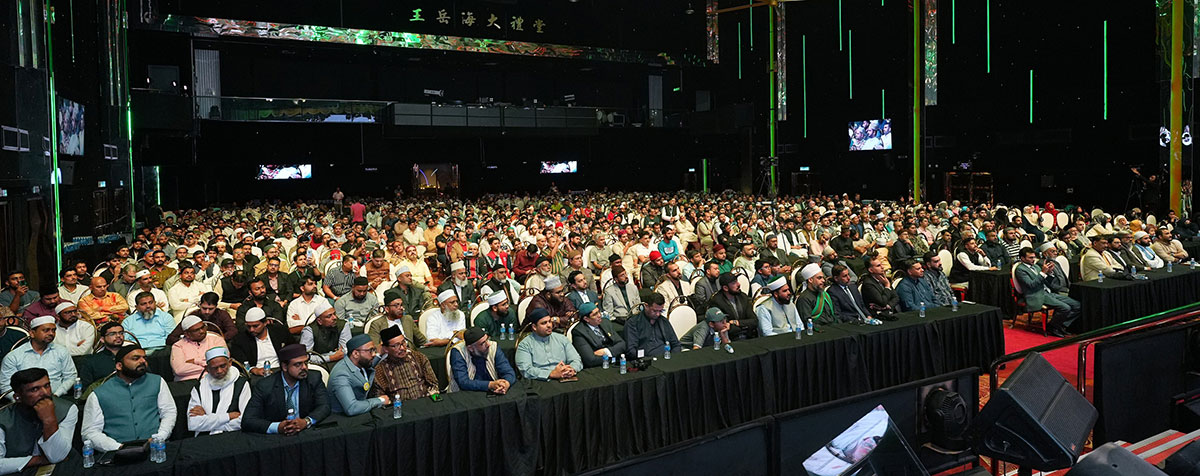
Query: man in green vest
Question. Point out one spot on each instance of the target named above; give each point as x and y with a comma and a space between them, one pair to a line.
117, 412
37, 421
326, 337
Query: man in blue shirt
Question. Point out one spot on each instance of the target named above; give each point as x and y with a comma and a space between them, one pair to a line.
914, 290
486, 369
149, 324
41, 351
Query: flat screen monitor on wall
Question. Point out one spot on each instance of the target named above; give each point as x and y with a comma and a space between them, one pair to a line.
70, 127
284, 172
874, 134
560, 167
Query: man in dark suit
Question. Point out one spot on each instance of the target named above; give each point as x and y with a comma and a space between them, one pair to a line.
848, 304
594, 338
877, 291
743, 323
292, 389
244, 346
1031, 283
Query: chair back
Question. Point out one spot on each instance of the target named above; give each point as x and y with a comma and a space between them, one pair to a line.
1151, 220
423, 321
896, 282
1061, 220
744, 283
605, 278
1012, 276
947, 261
755, 289
476, 310
760, 301
682, 318
522, 307
372, 321
1047, 221
1065, 264
570, 334
320, 371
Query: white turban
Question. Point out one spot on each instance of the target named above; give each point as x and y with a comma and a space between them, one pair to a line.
321, 306
496, 298
40, 321
457, 265
444, 295
402, 269
810, 270
62, 306
553, 282
776, 283
1137, 235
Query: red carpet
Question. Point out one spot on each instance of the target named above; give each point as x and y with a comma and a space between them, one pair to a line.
1065, 360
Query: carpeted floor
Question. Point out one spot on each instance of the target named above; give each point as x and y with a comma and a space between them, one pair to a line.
1065, 360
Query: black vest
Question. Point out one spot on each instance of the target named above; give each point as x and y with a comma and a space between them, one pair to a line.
325, 339
22, 428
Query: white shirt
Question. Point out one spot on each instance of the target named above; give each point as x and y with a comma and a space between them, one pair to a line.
93, 418
965, 259
300, 312
55, 449
266, 352
440, 327
160, 298
72, 296
182, 296
77, 339
217, 420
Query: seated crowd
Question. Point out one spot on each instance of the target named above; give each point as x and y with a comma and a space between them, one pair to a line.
253, 300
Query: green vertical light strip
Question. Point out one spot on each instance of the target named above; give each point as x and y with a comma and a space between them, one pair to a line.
1031, 96
989, 36
704, 174
751, 26
48, 19
953, 23
772, 99
839, 25
883, 104
739, 50
1106, 70
850, 59
157, 186
918, 87
72, 5
128, 124
804, 79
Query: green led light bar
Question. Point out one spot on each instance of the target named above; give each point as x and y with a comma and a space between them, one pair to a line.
804, 80
850, 59
1031, 96
1106, 70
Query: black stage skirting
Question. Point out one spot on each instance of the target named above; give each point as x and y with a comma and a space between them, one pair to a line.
994, 288
560, 428
1115, 301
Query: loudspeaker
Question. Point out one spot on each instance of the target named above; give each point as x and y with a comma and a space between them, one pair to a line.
1035, 419
1185, 462
1113, 460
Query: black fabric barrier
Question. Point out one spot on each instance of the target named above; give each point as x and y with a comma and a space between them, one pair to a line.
550, 427
1135, 379
740, 450
1115, 301
994, 288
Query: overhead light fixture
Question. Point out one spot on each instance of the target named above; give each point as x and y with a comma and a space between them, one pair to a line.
689, 9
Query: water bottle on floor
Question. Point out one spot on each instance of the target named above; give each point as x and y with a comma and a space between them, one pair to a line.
922, 311
667, 351
624, 368
396, 413
89, 454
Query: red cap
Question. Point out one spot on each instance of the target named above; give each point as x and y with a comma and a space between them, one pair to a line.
655, 255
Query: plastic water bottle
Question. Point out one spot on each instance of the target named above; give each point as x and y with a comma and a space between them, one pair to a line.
78, 388
667, 351
809, 330
921, 312
1100, 277
716, 341
1192, 264
291, 414
267, 367
512, 332
954, 303
396, 412
89, 458
1170, 268
158, 452
604, 363
624, 368
350, 318
1133, 270
799, 332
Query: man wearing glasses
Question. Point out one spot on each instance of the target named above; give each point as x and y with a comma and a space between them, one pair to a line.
350, 381
402, 374
394, 316
98, 365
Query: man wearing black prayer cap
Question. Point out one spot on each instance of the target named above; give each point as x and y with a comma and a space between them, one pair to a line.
478, 365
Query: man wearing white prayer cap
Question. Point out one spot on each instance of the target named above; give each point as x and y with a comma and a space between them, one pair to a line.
463, 288
553, 298
188, 354
1140, 254
40, 351
76, 335
498, 315
216, 405
326, 336
258, 345
445, 320
776, 313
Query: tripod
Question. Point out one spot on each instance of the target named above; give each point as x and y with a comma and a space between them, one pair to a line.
764, 174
